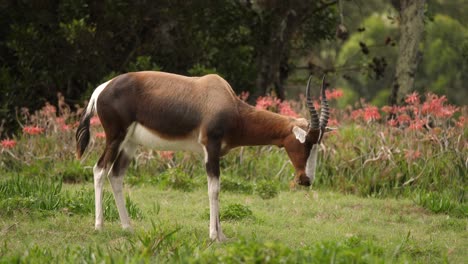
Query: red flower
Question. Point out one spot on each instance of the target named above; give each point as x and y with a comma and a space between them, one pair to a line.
412, 99
100, 135
448, 111
95, 121
65, 127
461, 121
404, 118
285, 109
417, 124
392, 122
333, 122
334, 94
412, 154
49, 109
387, 109
433, 104
371, 113
356, 114
32, 130
167, 155
8, 143
264, 102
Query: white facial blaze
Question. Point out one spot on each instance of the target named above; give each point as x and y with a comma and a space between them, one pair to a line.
312, 163
300, 134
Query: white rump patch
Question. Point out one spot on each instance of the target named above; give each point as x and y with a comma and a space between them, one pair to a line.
94, 97
300, 134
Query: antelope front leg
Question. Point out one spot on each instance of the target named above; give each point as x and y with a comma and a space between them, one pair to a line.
212, 156
213, 193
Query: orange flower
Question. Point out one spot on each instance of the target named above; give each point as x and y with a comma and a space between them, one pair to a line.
356, 114
65, 127
32, 130
461, 121
167, 155
412, 99
404, 118
333, 122
334, 94
392, 122
387, 109
95, 121
412, 154
8, 143
417, 124
265, 102
100, 135
371, 113
285, 109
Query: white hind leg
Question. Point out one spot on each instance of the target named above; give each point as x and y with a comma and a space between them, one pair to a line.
99, 174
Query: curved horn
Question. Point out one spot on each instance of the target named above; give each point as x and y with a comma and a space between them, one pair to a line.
324, 110
314, 120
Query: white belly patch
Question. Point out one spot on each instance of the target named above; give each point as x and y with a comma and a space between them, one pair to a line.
139, 134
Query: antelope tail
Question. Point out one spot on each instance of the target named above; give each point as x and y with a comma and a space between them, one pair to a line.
82, 133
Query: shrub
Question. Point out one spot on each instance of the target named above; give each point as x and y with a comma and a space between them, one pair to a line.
236, 185
267, 189
177, 179
236, 212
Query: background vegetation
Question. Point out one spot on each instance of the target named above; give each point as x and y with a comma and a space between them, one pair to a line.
387, 189
70, 47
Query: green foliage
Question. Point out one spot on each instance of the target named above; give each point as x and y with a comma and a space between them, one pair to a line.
82, 202
445, 59
177, 179
267, 189
235, 212
441, 203
377, 29
19, 194
36, 195
352, 250
236, 185
200, 70
73, 46
143, 63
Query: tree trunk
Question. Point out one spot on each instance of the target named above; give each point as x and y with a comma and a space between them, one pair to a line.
411, 14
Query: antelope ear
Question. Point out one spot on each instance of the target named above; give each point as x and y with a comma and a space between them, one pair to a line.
330, 129
300, 134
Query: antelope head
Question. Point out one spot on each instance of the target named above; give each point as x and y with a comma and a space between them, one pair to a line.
302, 146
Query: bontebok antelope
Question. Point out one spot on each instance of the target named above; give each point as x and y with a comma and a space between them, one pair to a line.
202, 114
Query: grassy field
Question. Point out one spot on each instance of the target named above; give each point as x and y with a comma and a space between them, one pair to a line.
386, 191
295, 225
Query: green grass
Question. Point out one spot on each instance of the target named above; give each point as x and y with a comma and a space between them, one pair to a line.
304, 226
381, 195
